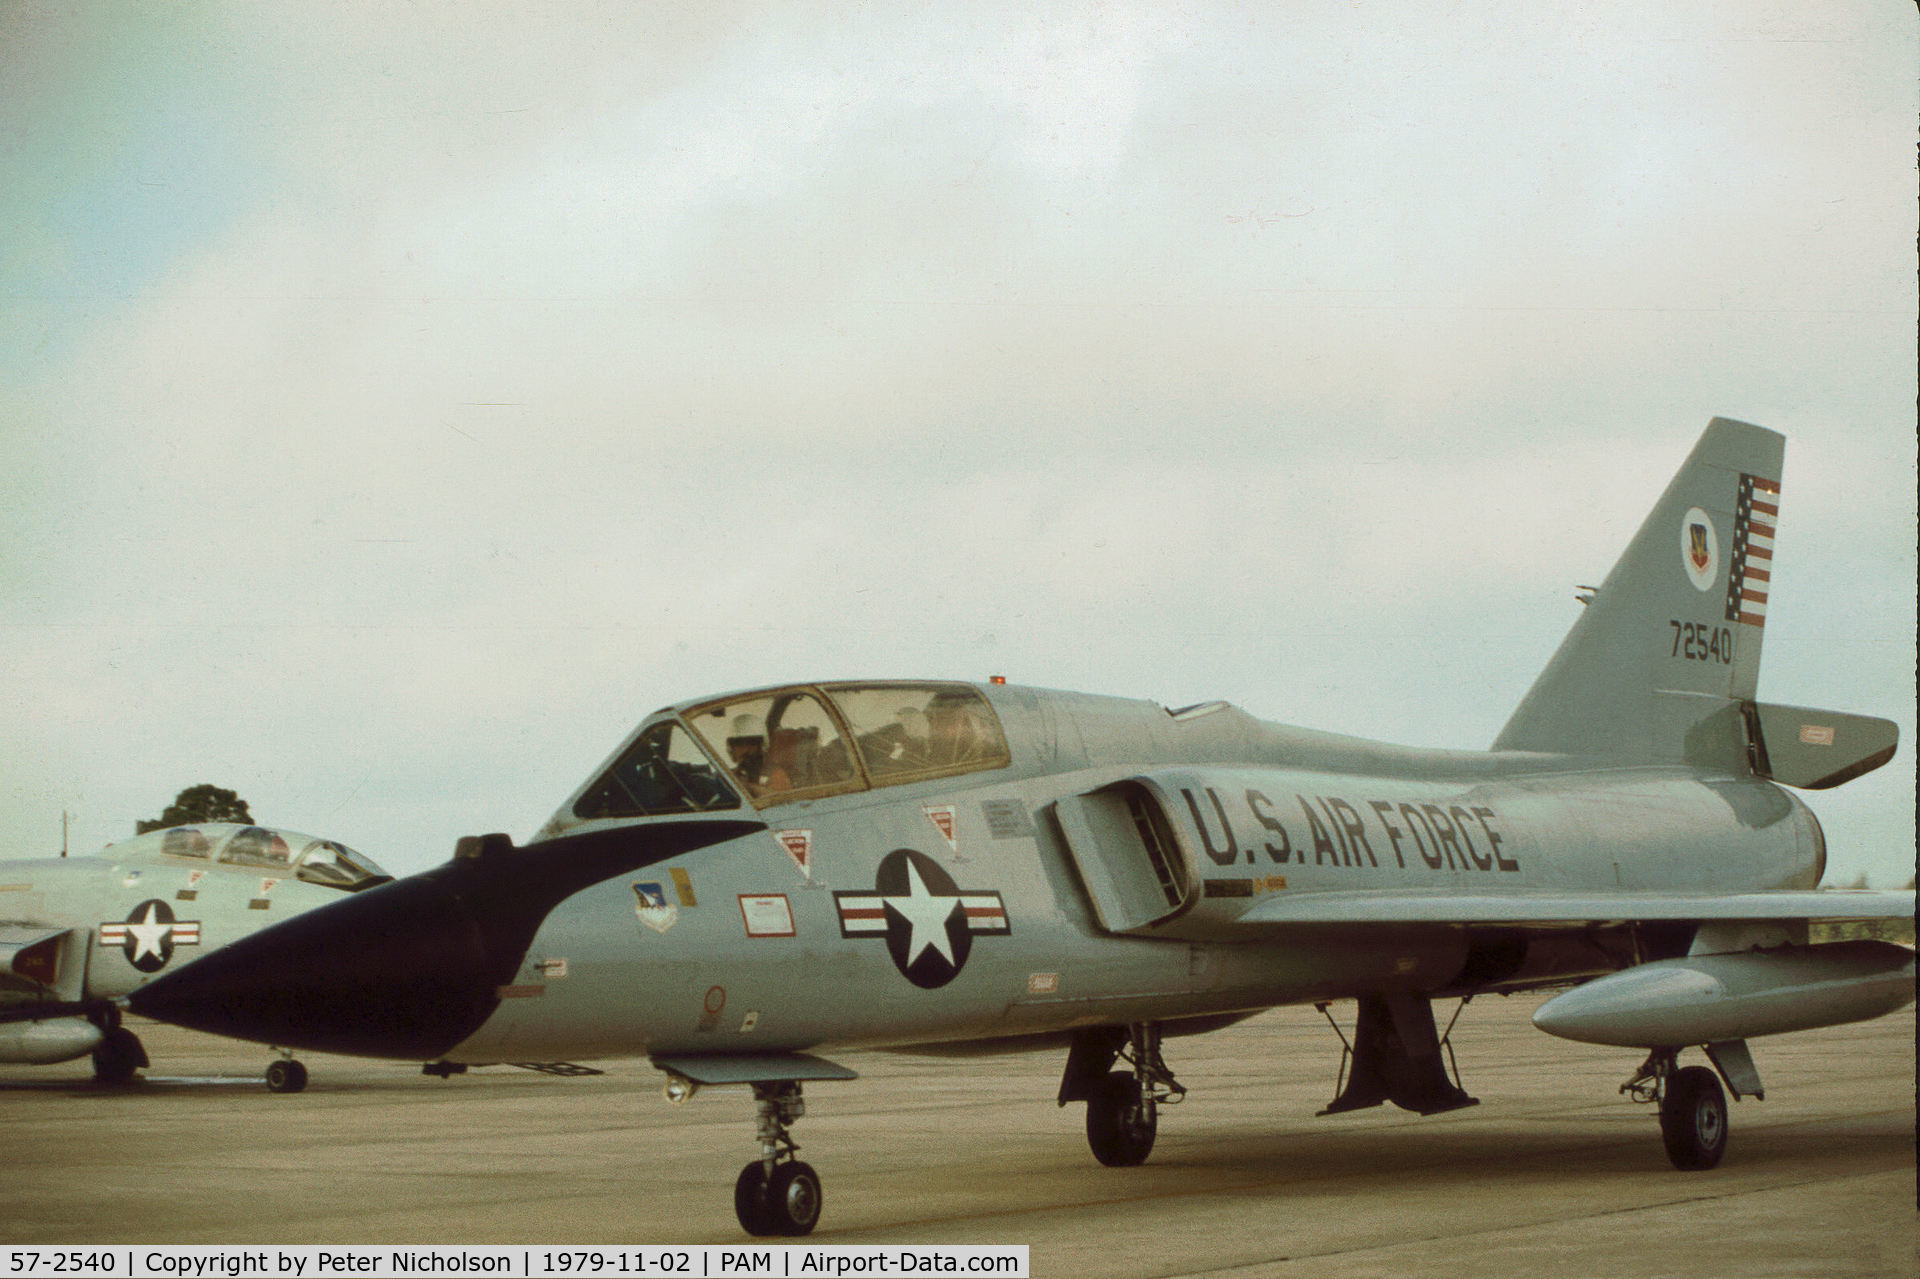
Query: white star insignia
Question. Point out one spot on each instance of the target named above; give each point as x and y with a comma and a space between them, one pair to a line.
926, 916
148, 934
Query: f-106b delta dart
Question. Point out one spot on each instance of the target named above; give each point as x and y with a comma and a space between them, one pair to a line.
77, 934
753, 879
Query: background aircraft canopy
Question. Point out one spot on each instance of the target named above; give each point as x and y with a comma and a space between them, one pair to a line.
317, 861
327, 862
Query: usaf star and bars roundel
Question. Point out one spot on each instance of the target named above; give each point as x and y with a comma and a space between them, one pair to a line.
150, 933
927, 921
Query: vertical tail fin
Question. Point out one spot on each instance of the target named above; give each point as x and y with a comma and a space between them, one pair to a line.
1664, 663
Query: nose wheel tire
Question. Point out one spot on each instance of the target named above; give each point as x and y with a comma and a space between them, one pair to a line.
1693, 1119
286, 1075
750, 1201
793, 1193
1121, 1121
787, 1203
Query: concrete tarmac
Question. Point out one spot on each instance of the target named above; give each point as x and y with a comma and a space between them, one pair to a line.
1553, 1173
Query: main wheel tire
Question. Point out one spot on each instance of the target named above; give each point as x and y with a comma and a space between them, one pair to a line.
286, 1075
1121, 1121
794, 1198
118, 1056
1693, 1119
750, 1202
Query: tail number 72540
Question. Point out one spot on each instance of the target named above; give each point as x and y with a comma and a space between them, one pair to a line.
1702, 642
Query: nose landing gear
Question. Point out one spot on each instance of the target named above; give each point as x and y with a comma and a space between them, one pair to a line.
284, 1074
777, 1194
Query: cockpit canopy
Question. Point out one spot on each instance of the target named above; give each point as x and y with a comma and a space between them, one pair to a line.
801, 742
317, 861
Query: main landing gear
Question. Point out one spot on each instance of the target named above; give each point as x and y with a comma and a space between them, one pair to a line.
777, 1194
120, 1052
1693, 1106
1122, 1105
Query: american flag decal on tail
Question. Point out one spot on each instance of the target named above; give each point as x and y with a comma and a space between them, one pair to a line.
1751, 573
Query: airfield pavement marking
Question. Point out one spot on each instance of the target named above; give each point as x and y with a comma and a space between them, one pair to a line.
1553, 1171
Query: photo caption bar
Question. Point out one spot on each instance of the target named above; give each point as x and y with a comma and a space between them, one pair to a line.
517, 1261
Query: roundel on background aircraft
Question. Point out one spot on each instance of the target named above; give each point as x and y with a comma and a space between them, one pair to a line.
149, 934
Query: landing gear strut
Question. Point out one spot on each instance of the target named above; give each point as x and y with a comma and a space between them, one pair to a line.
1122, 1105
1693, 1109
777, 1194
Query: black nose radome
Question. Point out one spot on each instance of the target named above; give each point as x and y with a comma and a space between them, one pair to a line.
411, 968
399, 971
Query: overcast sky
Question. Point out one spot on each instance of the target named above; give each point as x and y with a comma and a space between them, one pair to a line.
399, 402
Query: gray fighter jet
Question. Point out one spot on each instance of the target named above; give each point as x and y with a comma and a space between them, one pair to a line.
755, 878
77, 934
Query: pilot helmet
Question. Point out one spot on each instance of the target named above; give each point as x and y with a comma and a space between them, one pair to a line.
913, 722
746, 733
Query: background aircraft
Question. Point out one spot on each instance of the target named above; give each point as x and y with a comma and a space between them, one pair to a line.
954, 868
79, 933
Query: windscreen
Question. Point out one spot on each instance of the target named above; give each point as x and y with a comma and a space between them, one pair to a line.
663, 772
337, 866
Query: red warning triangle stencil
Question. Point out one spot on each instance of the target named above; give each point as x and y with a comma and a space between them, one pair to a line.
944, 819
799, 846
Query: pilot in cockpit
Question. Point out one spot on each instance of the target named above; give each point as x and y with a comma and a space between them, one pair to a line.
785, 765
909, 738
747, 747
953, 736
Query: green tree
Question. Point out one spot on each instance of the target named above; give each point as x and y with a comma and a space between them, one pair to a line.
199, 804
